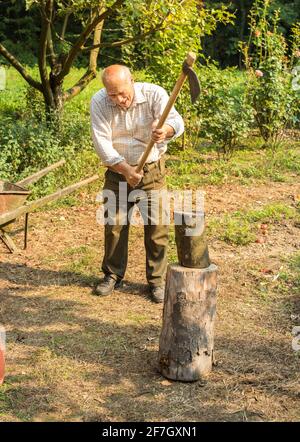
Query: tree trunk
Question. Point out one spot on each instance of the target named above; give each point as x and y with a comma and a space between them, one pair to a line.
96, 41
54, 108
187, 338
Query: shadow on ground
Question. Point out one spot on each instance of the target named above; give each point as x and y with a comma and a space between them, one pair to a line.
75, 358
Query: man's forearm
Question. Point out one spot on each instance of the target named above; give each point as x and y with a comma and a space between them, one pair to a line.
132, 177
123, 167
170, 131
164, 133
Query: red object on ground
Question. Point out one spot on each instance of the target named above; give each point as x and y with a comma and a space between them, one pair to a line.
2, 365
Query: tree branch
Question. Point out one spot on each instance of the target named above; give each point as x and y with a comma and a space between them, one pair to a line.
63, 39
65, 24
128, 40
84, 36
133, 39
97, 38
17, 65
91, 72
80, 85
46, 12
50, 47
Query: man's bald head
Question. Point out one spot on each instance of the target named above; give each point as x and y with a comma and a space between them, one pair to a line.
116, 73
118, 83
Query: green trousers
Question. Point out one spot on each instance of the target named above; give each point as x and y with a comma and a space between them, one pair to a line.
118, 210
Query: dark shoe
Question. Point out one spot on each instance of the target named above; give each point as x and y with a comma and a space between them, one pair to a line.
157, 293
107, 286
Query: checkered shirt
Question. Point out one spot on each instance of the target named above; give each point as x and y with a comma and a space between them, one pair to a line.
120, 134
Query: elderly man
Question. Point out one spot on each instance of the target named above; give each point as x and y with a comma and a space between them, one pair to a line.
124, 115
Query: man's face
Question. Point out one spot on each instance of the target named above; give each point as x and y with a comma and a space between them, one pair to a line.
121, 93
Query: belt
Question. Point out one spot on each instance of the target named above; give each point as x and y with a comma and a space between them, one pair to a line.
152, 165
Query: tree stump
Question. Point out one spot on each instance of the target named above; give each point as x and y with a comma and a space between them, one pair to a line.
187, 338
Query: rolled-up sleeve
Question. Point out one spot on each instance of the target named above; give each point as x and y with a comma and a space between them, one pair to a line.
102, 136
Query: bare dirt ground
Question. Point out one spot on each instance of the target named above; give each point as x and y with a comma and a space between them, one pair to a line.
74, 356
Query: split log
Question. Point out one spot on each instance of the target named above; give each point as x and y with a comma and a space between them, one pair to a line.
187, 338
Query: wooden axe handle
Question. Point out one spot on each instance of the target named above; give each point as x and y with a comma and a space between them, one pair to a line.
190, 60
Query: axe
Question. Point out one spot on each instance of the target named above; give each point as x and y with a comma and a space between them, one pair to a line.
187, 71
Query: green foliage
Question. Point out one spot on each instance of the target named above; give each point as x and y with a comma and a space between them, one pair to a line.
289, 281
295, 265
240, 227
162, 56
270, 213
200, 166
24, 144
232, 230
172, 28
273, 101
223, 44
295, 43
269, 88
19, 31
28, 143
224, 116
34, 106
28, 146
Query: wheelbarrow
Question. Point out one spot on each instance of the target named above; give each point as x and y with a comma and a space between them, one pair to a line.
13, 202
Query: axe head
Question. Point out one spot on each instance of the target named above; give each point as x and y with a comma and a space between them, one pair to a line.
194, 82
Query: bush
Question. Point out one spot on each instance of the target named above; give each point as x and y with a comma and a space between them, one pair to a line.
224, 117
273, 101
25, 146
28, 144
269, 65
